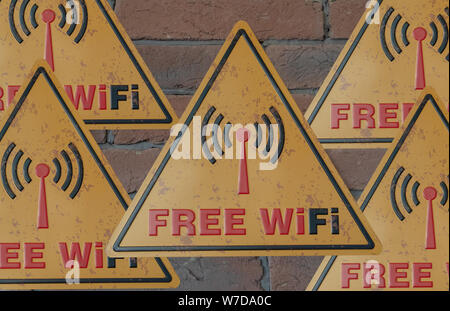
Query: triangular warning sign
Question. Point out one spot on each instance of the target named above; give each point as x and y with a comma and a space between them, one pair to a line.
398, 48
406, 202
231, 198
101, 71
60, 200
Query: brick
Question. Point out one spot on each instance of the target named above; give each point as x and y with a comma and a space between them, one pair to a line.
292, 273
304, 66
343, 17
219, 274
99, 136
179, 103
356, 166
178, 66
303, 101
131, 166
207, 20
129, 137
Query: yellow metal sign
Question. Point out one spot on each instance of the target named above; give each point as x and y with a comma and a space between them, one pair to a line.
255, 182
60, 200
406, 202
102, 73
398, 48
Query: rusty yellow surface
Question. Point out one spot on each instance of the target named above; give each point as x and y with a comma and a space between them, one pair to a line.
242, 87
410, 221
372, 86
58, 193
90, 52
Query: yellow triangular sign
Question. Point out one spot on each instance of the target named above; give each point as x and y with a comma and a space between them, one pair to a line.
406, 202
230, 197
60, 200
101, 70
397, 49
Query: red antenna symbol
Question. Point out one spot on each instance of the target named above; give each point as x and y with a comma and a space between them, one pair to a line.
242, 136
42, 171
48, 17
430, 194
420, 34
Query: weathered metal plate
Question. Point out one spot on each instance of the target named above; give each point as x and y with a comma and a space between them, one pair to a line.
406, 202
211, 202
60, 200
397, 48
97, 63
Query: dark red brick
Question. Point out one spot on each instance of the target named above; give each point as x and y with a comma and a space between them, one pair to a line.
303, 101
292, 273
343, 17
219, 274
178, 67
205, 20
99, 136
129, 137
131, 166
306, 65
356, 166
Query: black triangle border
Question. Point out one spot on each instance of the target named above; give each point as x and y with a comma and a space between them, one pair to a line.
144, 77
116, 246
330, 87
427, 98
41, 71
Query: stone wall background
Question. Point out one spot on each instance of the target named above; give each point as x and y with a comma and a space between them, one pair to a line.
178, 40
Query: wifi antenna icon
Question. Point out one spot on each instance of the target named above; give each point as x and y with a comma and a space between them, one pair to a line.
42, 170
399, 29
20, 14
429, 194
242, 137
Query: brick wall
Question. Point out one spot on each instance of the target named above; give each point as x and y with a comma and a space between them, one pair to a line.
179, 39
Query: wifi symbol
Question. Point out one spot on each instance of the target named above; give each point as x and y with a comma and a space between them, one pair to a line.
270, 136
243, 136
429, 194
73, 18
42, 171
22, 17
400, 28
444, 29
48, 16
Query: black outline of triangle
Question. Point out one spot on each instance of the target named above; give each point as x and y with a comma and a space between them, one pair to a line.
116, 246
427, 98
41, 71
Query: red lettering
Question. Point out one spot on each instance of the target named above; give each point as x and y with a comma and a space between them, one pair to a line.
12, 91
177, 222
346, 275
300, 221
154, 221
406, 109
283, 225
373, 274
418, 275
102, 96
2, 104
99, 255
30, 255
75, 253
395, 275
336, 114
231, 221
6, 255
359, 116
205, 222
386, 115
81, 95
